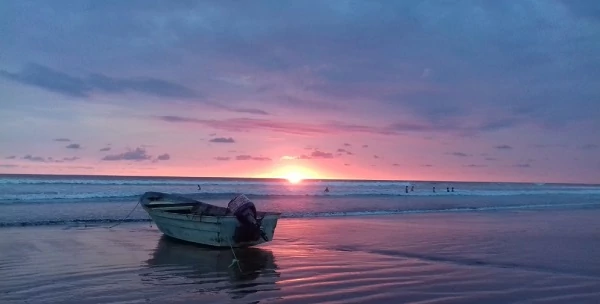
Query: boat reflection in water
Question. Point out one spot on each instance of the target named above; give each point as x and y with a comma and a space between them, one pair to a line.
180, 264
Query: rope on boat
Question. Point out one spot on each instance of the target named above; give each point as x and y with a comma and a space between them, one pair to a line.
122, 220
235, 259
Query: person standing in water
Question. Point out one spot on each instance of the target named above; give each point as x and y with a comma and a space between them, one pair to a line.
326, 189
406, 189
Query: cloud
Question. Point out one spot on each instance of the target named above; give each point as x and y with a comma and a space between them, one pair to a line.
474, 166
491, 159
347, 145
139, 154
344, 151
249, 157
365, 146
8, 166
296, 128
225, 140
503, 147
589, 147
105, 149
62, 139
73, 146
10, 157
522, 165
459, 154
249, 111
375, 156
317, 154
34, 158
165, 156
396, 165
346, 164
76, 86
222, 158
40, 159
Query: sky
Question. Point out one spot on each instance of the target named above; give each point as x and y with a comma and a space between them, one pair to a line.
403, 90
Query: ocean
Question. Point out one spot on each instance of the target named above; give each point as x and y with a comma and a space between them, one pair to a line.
27, 200
361, 242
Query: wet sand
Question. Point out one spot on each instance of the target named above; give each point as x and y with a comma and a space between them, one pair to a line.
485, 257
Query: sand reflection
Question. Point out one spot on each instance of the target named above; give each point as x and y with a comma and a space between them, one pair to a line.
211, 270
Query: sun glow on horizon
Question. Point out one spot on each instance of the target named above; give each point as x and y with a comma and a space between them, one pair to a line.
294, 174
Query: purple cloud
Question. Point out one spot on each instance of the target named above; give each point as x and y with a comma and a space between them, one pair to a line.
225, 140
139, 154
249, 157
73, 146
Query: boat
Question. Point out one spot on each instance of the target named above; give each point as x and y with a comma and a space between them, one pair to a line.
183, 218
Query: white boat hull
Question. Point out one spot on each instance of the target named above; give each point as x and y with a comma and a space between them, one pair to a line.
217, 231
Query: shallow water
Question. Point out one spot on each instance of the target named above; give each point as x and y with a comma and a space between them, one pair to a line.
542, 256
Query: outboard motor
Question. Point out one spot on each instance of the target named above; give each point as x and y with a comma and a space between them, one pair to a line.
245, 211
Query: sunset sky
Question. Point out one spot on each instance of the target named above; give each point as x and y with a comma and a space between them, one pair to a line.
410, 90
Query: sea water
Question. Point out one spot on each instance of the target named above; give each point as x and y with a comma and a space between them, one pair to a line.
33, 200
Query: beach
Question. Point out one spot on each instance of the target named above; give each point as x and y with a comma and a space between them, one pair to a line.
523, 256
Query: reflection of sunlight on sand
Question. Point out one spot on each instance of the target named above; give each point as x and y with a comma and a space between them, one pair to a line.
208, 269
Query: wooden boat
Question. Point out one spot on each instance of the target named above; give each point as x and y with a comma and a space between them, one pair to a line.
186, 219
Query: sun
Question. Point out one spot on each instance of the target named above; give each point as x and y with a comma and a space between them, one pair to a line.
294, 177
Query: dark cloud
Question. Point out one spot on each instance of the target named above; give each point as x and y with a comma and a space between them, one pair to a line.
165, 156
32, 158
317, 154
474, 166
73, 146
344, 151
222, 158
105, 149
247, 124
8, 166
250, 111
375, 156
491, 159
396, 165
249, 157
225, 140
347, 145
365, 146
62, 139
426, 165
75, 86
139, 154
589, 147
10, 157
459, 154
503, 147
522, 165
40, 159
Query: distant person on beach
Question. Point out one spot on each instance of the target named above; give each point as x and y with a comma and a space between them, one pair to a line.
434, 189
452, 189
199, 188
406, 190
326, 189
412, 188
447, 189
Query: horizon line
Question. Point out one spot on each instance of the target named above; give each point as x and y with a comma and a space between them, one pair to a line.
283, 179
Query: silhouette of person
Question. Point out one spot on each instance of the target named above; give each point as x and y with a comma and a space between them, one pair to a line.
406, 190
433, 188
412, 188
452, 189
326, 189
199, 188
